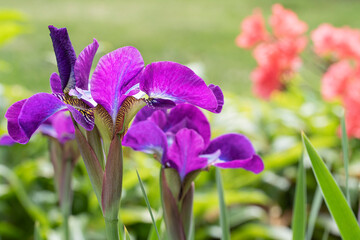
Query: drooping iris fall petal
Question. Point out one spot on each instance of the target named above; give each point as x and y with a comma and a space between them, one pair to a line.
178, 83
236, 151
147, 137
14, 129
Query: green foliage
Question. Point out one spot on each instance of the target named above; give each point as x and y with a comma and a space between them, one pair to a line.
333, 196
299, 216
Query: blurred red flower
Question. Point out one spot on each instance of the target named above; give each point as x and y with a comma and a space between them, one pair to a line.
276, 54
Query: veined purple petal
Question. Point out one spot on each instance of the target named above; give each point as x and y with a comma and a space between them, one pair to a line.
147, 137
14, 129
183, 155
236, 152
219, 97
173, 81
190, 117
6, 140
55, 83
65, 54
114, 75
83, 65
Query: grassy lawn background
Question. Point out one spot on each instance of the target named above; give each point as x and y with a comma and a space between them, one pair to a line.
182, 31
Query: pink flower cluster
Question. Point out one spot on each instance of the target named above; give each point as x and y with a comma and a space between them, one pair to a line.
276, 53
342, 78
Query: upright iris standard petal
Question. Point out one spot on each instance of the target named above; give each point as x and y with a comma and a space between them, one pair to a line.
55, 83
83, 65
236, 152
178, 83
183, 154
147, 137
14, 129
190, 117
114, 76
65, 55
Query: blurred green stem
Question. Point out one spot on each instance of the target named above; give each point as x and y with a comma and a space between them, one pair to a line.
66, 199
112, 230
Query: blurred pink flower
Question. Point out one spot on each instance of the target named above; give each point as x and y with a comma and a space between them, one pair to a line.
266, 81
335, 80
253, 30
285, 23
277, 54
337, 42
352, 117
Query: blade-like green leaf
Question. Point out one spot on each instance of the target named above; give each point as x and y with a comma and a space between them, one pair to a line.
335, 200
315, 208
345, 147
223, 215
299, 217
147, 204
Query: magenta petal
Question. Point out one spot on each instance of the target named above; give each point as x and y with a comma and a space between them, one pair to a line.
55, 83
183, 155
65, 54
236, 152
189, 116
173, 81
254, 164
59, 126
6, 140
147, 137
36, 110
114, 76
83, 65
14, 129
219, 97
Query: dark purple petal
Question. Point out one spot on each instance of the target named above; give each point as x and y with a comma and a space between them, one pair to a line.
158, 103
219, 97
83, 65
114, 75
6, 140
236, 152
144, 114
183, 155
55, 83
65, 54
173, 81
189, 116
14, 129
147, 137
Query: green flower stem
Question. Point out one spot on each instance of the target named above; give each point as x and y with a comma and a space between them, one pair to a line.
66, 200
112, 229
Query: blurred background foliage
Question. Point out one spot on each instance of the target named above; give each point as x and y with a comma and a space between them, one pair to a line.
200, 34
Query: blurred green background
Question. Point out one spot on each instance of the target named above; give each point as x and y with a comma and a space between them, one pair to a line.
200, 34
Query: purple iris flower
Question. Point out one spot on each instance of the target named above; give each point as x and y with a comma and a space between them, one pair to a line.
6, 140
180, 139
120, 84
69, 91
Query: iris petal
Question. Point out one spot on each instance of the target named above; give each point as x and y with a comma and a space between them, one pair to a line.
183, 155
147, 137
113, 76
190, 117
173, 81
236, 152
6, 141
55, 83
83, 65
14, 129
65, 55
